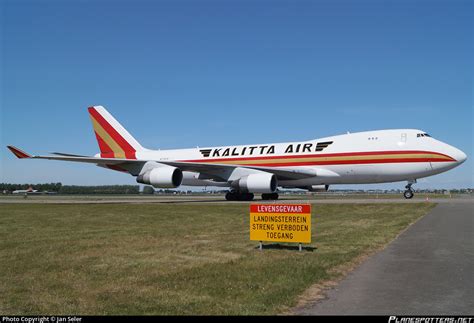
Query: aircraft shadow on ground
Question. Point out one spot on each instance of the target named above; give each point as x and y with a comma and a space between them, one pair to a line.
223, 200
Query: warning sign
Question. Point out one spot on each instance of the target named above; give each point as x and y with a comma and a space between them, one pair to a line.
280, 222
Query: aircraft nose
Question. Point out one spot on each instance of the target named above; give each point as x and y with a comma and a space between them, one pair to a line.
459, 155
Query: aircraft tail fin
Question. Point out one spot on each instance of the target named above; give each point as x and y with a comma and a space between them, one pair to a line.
114, 141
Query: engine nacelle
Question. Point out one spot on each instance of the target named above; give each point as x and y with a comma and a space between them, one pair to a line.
257, 183
318, 188
162, 177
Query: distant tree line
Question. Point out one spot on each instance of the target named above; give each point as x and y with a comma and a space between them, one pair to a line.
103, 189
73, 189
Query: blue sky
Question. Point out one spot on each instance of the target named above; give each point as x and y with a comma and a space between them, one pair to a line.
179, 74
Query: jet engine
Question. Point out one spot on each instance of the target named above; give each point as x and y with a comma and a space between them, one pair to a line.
162, 177
256, 183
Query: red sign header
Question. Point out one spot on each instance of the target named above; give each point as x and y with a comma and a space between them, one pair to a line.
280, 208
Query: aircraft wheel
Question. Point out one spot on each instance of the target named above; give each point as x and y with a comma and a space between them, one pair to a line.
245, 196
229, 196
238, 196
270, 196
408, 194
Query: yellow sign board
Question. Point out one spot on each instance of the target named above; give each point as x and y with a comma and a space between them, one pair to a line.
280, 222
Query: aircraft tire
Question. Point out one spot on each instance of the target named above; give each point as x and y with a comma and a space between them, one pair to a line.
408, 194
270, 196
238, 196
245, 196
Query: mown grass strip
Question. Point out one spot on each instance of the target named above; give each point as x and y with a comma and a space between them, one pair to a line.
175, 259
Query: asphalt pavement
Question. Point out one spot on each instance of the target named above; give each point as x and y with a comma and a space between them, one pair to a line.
427, 270
216, 199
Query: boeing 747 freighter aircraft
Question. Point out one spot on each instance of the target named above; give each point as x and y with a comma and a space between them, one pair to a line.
365, 157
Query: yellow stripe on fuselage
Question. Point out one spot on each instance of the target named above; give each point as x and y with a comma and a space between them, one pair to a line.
328, 159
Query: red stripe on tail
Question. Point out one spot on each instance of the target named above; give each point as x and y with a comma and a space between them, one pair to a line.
127, 148
105, 150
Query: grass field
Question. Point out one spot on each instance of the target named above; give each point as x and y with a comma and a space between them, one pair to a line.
175, 259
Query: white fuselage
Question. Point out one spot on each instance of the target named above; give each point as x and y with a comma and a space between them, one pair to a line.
364, 157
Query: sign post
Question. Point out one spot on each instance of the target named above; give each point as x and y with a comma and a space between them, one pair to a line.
280, 223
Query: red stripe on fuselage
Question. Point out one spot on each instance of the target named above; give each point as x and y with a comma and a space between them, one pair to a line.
442, 158
350, 162
127, 148
351, 154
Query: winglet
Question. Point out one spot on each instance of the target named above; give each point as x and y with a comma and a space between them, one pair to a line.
18, 152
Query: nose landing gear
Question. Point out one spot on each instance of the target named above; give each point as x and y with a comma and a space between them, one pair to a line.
408, 194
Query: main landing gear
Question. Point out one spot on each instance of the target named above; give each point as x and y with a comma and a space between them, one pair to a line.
239, 196
408, 194
270, 196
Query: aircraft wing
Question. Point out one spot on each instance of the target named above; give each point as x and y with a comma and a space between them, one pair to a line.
217, 171
74, 158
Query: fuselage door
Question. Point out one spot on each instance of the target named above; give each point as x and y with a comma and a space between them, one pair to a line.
403, 137
403, 140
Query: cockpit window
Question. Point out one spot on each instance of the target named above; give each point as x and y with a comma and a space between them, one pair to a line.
422, 135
